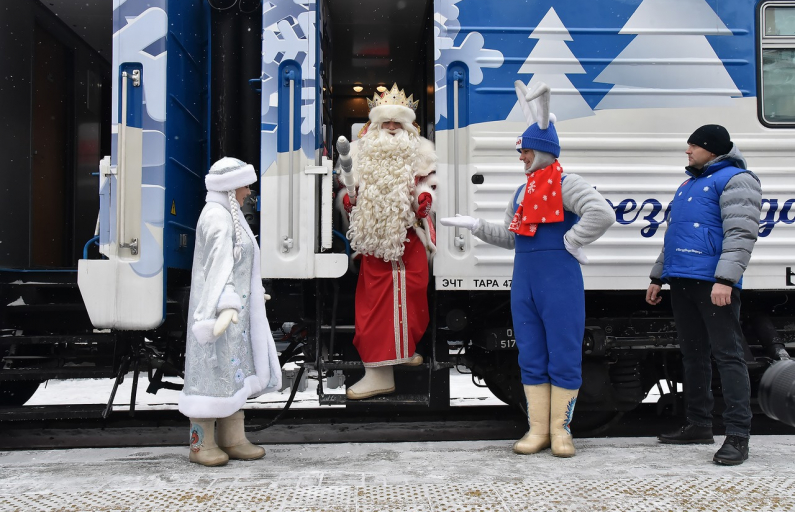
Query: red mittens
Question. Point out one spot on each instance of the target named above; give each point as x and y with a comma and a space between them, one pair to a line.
424, 208
346, 203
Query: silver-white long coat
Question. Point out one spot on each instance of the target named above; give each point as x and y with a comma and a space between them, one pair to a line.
221, 373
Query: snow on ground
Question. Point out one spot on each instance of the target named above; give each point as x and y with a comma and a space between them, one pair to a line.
463, 392
97, 391
623, 474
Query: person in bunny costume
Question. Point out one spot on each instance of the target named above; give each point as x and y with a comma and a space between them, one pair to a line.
548, 221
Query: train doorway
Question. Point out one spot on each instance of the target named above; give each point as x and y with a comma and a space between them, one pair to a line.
367, 45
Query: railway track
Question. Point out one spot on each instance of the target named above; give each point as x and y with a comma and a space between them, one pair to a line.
82, 426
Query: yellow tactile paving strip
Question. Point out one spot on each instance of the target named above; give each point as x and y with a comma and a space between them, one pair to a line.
680, 493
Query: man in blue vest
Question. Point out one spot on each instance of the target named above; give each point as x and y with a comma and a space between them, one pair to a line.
712, 227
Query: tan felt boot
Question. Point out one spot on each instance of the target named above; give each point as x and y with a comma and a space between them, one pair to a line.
561, 413
377, 380
537, 438
232, 439
203, 449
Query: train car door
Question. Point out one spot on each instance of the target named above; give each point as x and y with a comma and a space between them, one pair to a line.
296, 192
126, 289
151, 188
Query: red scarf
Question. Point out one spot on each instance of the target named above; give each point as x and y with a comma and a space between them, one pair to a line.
542, 202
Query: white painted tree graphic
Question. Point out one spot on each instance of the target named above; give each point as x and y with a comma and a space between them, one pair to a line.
669, 63
550, 61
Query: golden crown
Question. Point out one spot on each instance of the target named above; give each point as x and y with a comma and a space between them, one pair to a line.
393, 96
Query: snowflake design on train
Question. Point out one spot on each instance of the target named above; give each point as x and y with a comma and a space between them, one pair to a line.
471, 52
287, 27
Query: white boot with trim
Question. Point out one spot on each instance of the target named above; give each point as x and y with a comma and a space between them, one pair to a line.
377, 380
537, 438
232, 439
203, 449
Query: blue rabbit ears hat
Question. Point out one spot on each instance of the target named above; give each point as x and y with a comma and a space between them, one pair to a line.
540, 134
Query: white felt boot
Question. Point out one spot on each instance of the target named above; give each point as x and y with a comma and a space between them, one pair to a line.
232, 439
561, 413
537, 438
377, 380
203, 449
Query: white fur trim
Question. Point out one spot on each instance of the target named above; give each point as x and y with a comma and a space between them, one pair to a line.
422, 234
229, 300
231, 180
397, 113
263, 347
200, 406
426, 163
203, 330
221, 198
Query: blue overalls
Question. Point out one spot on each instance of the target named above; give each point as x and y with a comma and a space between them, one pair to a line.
548, 306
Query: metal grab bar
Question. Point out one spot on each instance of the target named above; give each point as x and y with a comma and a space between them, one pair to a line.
120, 229
458, 241
287, 243
121, 176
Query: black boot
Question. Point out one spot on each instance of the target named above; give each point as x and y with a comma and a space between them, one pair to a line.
733, 452
689, 434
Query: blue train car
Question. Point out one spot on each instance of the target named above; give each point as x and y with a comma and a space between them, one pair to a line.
275, 82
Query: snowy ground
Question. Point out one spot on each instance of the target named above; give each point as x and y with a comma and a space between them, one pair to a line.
623, 474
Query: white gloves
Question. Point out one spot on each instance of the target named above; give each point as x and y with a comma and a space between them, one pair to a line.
577, 252
460, 221
226, 316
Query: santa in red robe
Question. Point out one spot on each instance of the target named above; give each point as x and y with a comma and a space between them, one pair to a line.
390, 196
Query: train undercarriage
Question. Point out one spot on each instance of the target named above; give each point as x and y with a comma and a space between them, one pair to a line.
628, 350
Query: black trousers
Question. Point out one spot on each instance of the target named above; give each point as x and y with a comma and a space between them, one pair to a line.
705, 329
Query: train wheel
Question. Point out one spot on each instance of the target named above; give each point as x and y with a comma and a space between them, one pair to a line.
17, 393
593, 423
500, 371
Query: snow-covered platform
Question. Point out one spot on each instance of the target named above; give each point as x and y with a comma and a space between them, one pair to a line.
622, 474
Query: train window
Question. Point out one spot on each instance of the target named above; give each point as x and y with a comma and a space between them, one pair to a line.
777, 61
780, 21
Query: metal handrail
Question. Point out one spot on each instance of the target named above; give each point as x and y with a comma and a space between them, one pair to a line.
287, 244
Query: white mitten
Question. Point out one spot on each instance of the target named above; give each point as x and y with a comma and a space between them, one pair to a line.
460, 221
226, 316
346, 165
577, 252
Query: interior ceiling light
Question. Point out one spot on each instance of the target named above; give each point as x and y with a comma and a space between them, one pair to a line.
381, 88
358, 88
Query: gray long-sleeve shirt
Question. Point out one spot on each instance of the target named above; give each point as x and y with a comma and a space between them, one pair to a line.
579, 197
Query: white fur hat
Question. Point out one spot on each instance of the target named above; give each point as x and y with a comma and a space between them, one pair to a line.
229, 174
393, 105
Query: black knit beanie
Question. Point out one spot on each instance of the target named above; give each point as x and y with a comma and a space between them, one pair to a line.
712, 137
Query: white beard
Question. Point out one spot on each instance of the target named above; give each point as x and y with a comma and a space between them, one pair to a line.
383, 211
